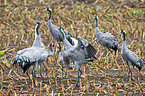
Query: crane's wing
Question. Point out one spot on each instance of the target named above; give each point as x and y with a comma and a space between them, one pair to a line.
130, 56
56, 33
23, 61
64, 59
29, 56
23, 51
32, 54
107, 36
90, 50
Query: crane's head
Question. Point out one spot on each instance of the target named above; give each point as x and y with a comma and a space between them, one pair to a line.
123, 31
48, 9
39, 23
124, 34
96, 17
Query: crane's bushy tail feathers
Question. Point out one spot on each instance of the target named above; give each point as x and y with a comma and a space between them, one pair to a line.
27, 66
23, 62
91, 51
139, 64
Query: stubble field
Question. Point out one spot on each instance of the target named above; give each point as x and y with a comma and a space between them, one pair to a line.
105, 76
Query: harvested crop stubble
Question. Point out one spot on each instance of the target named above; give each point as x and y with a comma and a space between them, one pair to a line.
104, 76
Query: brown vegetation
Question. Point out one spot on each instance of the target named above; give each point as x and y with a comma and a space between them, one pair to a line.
104, 76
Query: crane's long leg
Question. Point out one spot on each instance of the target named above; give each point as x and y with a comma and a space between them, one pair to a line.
66, 73
33, 77
78, 77
70, 67
28, 75
34, 74
115, 53
105, 53
62, 70
129, 64
46, 73
129, 74
114, 56
59, 46
80, 72
41, 72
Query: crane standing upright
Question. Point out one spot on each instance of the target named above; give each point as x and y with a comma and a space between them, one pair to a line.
34, 55
130, 57
55, 32
106, 39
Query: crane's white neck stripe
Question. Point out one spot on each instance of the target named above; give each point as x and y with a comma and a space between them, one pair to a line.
36, 29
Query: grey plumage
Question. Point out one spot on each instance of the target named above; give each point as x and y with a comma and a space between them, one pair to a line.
106, 39
63, 58
130, 57
34, 55
79, 53
55, 32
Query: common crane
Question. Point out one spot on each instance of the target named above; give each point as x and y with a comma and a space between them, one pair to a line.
80, 53
105, 39
34, 55
54, 30
130, 57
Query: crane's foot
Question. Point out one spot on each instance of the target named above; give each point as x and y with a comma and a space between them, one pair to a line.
76, 85
59, 47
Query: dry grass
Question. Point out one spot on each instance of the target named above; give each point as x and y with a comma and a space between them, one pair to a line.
103, 76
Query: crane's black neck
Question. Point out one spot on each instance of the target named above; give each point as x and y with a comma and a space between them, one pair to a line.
124, 35
62, 30
96, 22
50, 14
36, 29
